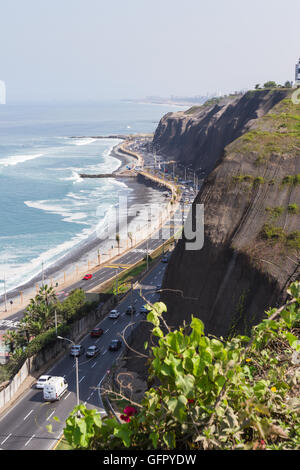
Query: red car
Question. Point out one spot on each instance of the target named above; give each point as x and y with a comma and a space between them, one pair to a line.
96, 332
87, 276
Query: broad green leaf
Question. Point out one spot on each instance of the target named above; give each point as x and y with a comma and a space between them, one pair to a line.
178, 407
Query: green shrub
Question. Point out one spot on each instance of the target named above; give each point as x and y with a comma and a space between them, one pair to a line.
275, 211
291, 180
210, 393
293, 239
293, 208
273, 233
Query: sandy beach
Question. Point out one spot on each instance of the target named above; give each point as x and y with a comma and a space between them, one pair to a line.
85, 255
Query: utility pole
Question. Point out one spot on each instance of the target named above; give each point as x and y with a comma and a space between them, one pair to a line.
76, 369
147, 256
5, 297
43, 273
55, 318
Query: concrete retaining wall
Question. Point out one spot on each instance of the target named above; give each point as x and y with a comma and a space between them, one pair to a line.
35, 364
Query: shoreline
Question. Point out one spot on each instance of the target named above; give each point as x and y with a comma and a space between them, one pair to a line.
141, 193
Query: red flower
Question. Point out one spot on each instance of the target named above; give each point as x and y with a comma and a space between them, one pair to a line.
190, 400
125, 418
129, 411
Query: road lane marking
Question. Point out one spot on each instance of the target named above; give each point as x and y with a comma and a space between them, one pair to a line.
106, 330
81, 379
93, 365
27, 415
67, 395
33, 435
5, 439
104, 352
50, 415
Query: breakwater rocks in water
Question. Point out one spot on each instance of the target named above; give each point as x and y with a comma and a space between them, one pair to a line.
125, 174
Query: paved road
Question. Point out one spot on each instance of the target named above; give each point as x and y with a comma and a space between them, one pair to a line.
24, 425
105, 273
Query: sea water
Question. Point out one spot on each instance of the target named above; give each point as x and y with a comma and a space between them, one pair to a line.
46, 209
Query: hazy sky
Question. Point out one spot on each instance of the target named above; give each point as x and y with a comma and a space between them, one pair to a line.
95, 49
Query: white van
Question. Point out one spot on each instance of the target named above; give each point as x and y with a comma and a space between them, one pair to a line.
54, 388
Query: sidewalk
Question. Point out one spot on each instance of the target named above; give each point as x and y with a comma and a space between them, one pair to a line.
20, 302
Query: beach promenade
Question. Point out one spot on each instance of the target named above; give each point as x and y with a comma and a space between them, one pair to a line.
12, 309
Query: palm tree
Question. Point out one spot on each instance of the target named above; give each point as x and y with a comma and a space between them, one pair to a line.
40, 313
46, 294
11, 339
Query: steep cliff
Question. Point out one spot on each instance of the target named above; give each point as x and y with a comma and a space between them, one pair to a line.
251, 248
198, 136
251, 199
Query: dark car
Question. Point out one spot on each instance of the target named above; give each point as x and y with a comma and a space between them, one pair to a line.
164, 259
96, 332
115, 345
87, 276
130, 310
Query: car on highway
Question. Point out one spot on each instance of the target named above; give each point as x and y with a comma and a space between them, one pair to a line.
87, 277
55, 388
96, 332
143, 309
42, 380
115, 345
114, 314
164, 259
77, 350
130, 310
92, 351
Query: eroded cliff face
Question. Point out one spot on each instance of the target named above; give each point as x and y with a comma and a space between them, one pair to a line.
197, 137
251, 201
251, 250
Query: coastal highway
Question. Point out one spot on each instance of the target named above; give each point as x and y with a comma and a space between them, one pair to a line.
109, 271
24, 425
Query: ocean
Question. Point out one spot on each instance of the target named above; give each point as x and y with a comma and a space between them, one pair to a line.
46, 209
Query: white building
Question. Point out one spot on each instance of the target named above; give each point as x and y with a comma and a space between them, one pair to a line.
297, 74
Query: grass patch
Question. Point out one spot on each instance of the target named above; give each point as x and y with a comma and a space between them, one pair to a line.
275, 211
272, 233
276, 234
293, 209
291, 180
250, 179
293, 240
193, 110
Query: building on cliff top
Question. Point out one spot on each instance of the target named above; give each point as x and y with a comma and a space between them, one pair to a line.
297, 74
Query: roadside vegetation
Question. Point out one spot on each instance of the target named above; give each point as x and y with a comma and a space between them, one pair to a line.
125, 280
276, 234
37, 328
239, 393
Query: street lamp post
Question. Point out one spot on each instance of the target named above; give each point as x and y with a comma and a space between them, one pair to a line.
5, 295
76, 369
